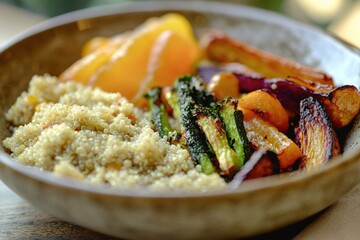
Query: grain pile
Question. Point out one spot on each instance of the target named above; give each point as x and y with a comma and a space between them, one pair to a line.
85, 133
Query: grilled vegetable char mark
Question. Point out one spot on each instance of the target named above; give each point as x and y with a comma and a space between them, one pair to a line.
316, 137
188, 88
232, 119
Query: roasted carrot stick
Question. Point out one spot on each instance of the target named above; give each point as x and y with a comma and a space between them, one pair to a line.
221, 48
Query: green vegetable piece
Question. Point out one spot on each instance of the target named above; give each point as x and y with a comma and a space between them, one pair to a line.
234, 127
158, 112
173, 100
187, 87
216, 135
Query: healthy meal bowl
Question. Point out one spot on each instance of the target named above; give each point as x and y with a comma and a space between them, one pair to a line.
207, 120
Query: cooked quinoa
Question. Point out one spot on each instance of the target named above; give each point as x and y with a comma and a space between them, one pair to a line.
85, 133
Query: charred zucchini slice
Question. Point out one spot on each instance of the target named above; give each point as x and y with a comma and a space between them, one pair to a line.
158, 112
216, 135
234, 127
187, 89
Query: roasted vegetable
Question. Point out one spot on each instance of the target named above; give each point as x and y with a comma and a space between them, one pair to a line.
158, 112
221, 48
216, 135
315, 135
186, 87
262, 163
246, 169
289, 93
173, 100
266, 166
268, 107
263, 135
221, 124
342, 103
233, 122
224, 85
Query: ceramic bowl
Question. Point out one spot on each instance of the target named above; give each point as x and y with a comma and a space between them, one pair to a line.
258, 206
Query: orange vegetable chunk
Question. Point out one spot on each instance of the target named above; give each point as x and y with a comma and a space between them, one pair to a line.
263, 135
343, 105
266, 106
224, 85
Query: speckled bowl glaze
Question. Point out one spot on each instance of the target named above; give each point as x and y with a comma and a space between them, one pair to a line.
258, 206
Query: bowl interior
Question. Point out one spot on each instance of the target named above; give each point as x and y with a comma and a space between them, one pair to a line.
54, 45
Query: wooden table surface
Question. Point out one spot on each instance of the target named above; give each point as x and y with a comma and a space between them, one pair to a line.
21, 221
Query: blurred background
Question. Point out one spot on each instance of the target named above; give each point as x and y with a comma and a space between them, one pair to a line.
341, 17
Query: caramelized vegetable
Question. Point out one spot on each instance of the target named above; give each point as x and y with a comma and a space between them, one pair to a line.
266, 166
221, 48
288, 93
342, 103
315, 135
246, 169
214, 131
172, 100
268, 107
233, 122
187, 87
218, 139
158, 112
263, 135
224, 85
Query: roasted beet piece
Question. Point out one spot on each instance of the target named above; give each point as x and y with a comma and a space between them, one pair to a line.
262, 163
266, 166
